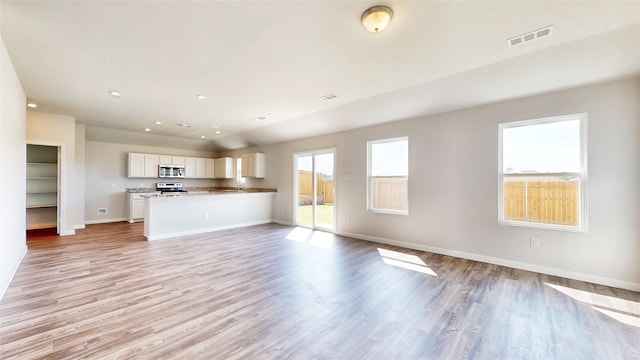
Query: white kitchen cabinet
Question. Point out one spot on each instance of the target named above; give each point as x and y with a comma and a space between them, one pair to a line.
136, 165
143, 165
210, 168
195, 168
135, 206
151, 163
172, 160
253, 165
224, 168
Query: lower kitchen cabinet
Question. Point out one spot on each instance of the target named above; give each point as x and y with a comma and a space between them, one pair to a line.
135, 206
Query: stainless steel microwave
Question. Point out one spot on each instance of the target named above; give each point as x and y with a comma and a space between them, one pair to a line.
171, 171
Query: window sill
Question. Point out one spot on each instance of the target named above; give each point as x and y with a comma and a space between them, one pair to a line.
532, 225
389, 212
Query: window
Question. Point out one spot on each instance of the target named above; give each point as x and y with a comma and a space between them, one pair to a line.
543, 173
239, 178
388, 176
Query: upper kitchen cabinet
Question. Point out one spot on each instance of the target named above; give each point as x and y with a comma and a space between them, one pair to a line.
224, 168
253, 165
172, 160
195, 168
210, 168
143, 165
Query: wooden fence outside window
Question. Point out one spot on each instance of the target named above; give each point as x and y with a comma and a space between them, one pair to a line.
547, 202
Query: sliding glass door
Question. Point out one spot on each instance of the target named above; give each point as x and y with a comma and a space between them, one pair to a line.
315, 196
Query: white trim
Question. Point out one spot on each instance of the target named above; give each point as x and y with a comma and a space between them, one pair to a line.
5, 284
622, 284
78, 227
583, 218
205, 230
370, 208
282, 222
103, 221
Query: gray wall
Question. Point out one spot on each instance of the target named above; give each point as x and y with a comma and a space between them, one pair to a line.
453, 185
106, 177
13, 157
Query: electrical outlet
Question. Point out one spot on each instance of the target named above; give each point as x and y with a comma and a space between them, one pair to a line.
102, 211
534, 242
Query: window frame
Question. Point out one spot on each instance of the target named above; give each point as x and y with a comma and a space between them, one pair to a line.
582, 174
370, 207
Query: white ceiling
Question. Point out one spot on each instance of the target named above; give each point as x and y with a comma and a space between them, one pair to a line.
252, 58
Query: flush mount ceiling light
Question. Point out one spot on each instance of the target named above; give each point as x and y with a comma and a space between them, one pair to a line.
376, 19
114, 93
31, 104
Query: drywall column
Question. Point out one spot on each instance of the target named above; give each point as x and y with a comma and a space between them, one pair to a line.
13, 244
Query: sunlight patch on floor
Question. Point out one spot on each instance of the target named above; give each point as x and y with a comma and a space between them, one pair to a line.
312, 237
405, 261
624, 311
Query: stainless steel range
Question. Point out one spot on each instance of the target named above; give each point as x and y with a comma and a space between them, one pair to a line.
170, 189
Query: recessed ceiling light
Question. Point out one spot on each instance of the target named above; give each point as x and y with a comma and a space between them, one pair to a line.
114, 93
202, 137
218, 132
32, 105
184, 125
147, 129
201, 97
158, 122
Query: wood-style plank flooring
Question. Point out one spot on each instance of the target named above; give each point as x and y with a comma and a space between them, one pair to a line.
275, 292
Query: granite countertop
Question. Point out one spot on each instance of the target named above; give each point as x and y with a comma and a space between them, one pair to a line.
141, 190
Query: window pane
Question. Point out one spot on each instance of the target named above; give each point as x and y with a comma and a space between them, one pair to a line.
542, 148
389, 194
543, 199
388, 176
390, 158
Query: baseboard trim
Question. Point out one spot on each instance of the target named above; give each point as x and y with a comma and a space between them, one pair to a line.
79, 227
622, 284
204, 230
281, 222
6, 282
103, 221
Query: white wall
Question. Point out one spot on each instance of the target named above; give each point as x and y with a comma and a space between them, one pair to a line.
106, 177
78, 219
58, 130
13, 244
453, 185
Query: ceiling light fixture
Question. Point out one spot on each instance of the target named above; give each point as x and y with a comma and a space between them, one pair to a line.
201, 97
218, 132
158, 122
376, 19
114, 93
202, 136
147, 129
184, 125
31, 104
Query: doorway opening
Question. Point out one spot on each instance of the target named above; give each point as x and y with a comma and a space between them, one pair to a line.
43, 187
315, 200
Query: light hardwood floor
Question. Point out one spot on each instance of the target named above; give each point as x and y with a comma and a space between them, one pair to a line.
275, 292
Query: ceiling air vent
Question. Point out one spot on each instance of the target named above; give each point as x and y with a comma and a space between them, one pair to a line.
328, 97
530, 36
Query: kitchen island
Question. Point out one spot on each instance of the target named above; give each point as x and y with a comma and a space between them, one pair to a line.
172, 216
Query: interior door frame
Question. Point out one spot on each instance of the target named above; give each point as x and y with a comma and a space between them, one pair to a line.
296, 190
